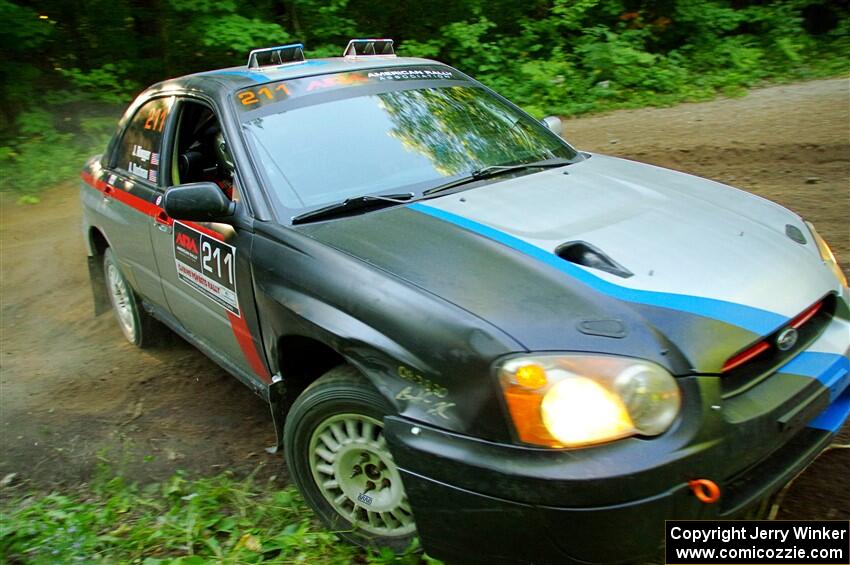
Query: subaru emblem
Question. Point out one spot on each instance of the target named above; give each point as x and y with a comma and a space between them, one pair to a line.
786, 339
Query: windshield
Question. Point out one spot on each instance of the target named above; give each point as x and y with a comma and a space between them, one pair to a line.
403, 140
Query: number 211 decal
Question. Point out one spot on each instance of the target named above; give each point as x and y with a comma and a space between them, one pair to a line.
207, 265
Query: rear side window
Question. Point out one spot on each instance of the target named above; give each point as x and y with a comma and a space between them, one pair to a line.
139, 151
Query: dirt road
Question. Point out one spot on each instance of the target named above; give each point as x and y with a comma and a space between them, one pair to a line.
72, 391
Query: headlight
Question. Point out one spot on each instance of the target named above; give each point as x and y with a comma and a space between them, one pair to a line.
578, 400
827, 255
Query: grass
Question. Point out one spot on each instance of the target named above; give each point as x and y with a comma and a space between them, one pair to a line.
219, 519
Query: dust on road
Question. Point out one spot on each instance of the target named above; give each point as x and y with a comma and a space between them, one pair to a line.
72, 390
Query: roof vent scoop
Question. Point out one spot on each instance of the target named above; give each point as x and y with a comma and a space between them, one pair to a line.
582, 253
276, 56
369, 48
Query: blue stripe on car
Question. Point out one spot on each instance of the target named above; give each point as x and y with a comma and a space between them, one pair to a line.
247, 74
758, 321
835, 415
831, 369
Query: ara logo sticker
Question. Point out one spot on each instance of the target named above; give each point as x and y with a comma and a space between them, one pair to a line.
186, 244
364, 498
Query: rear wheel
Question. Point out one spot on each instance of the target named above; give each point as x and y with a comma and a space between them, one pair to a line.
139, 327
339, 460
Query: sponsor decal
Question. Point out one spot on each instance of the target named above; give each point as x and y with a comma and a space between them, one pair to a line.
186, 245
152, 177
259, 96
412, 74
207, 265
155, 159
158, 200
344, 79
138, 170
141, 153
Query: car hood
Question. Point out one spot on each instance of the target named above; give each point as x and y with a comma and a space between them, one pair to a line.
708, 268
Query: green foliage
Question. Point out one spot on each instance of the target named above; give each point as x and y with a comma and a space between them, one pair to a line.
233, 32
551, 56
328, 20
203, 6
18, 27
181, 521
42, 155
107, 83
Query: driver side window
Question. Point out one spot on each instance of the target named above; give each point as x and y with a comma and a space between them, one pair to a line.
199, 152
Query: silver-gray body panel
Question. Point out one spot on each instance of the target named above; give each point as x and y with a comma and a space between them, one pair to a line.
675, 232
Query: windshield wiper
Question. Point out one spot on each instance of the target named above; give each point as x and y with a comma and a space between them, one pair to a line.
495, 170
352, 205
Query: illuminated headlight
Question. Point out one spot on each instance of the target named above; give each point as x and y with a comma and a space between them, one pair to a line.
578, 400
827, 256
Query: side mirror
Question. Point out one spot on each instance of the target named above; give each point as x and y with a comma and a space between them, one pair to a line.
197, 201
554, 124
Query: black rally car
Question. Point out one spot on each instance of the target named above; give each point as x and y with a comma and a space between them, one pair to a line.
465, 328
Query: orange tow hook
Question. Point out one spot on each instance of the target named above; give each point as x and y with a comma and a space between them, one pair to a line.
705, 490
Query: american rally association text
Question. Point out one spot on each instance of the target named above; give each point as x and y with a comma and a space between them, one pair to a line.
757, 532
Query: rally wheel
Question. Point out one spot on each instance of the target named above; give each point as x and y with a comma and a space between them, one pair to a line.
339, 460
139, 327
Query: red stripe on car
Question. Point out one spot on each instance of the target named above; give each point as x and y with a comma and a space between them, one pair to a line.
746, 355
806, 316
246, 342
237, 324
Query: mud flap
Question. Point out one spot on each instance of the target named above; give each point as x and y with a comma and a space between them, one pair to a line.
98, 285
277, 397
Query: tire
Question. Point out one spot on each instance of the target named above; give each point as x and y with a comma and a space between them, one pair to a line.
139, 327
339, 460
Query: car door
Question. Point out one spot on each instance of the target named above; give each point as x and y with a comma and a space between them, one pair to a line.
204, 267
129, 196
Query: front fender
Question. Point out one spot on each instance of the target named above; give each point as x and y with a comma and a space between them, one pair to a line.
429, 358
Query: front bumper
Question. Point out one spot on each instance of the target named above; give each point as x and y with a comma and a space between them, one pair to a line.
483, 502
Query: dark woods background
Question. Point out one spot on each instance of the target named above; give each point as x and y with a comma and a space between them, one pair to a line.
69, 67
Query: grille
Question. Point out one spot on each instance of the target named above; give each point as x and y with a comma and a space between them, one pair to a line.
752, 372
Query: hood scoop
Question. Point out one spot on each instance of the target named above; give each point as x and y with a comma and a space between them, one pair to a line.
582, 253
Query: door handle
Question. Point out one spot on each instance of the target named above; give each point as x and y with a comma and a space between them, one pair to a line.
163, 222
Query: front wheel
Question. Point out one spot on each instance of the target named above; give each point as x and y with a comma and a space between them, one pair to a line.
339, 460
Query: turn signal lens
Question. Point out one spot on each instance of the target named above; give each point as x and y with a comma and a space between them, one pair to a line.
531, 376
827, 255
579, 400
